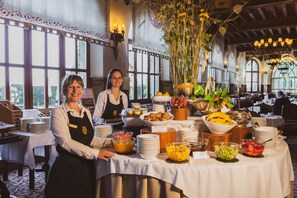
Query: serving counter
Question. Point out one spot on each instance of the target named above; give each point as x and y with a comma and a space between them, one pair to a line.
132, 176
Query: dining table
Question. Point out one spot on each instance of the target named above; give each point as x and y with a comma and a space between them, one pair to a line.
23, 152
273, 120
132, 176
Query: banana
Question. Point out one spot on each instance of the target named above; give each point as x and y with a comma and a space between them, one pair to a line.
218, 115
219, 118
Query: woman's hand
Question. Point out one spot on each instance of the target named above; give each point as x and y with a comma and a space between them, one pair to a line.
105, 155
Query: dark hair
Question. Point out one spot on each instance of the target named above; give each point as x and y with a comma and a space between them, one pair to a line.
281, 94
109, 76
68, 80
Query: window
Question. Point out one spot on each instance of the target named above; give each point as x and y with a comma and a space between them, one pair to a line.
33, 67
252, 76
144, 75
285, 77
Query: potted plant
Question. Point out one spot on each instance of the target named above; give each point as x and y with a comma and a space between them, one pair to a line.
185, 24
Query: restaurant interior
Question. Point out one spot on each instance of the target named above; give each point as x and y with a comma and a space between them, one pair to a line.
246, 48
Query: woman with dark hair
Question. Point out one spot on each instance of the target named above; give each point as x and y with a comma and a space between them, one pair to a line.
279, 102
73, 171
111, 101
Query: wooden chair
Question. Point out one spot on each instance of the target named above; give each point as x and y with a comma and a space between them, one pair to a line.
289, 113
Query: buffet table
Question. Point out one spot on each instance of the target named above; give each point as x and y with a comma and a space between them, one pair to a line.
131, 176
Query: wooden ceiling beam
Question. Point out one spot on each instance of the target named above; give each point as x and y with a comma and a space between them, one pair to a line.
262, 13
258, 25
265, 3
237, 40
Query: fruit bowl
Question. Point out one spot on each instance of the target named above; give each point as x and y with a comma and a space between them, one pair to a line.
156, 118
252, 148
123, 146
226, 151
160, 99
218, 128
178, 151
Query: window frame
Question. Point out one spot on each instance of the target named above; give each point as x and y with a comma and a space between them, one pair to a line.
28, 67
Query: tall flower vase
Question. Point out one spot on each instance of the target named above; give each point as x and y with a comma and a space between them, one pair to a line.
185, 89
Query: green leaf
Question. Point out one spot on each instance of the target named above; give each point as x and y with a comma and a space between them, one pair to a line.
198, 90
211, 105
224, 92
230, 105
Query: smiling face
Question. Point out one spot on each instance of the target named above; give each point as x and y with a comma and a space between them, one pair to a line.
116, 79
74, 92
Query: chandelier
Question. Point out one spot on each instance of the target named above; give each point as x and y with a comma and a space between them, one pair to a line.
273, 46
275, 60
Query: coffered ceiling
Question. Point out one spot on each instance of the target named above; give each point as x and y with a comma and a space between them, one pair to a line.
263, 19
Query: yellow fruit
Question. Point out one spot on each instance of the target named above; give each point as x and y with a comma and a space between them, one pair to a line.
159, 93
166, 94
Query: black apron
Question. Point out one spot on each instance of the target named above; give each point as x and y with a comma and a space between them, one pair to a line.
71, 175
112, 113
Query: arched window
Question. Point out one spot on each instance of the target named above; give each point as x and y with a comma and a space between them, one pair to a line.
284, 77
252, 76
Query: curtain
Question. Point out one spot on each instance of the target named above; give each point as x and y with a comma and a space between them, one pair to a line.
147, 31
88, 18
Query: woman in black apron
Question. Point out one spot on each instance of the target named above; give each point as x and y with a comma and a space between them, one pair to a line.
112, 101
73, 172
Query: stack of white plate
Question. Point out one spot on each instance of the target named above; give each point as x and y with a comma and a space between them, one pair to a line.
148, 146
37, 127
158, 108
186, 133
24, 123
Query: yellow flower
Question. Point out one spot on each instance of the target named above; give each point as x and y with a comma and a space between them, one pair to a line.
191, 22
182, 14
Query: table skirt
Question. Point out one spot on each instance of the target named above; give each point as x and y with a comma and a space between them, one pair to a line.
135, 186
139, 186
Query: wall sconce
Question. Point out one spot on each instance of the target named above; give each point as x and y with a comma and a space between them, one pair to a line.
225, 64
237, 67
117, 35
264, 71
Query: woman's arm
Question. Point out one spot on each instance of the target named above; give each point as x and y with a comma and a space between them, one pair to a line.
60, 129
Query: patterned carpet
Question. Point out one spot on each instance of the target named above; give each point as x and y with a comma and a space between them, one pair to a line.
19, 186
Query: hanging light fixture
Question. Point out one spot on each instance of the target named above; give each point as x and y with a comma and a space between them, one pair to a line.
275, 46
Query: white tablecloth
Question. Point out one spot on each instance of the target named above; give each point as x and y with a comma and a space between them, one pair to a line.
273, 120
249, 177
22, 152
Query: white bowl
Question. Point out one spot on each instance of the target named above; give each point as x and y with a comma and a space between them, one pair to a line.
155, 123
161, 98
218, 128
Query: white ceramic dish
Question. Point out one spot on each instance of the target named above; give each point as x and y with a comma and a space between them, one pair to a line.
218, 128
155, 123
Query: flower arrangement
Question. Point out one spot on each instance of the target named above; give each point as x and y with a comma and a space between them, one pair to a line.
185, 24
